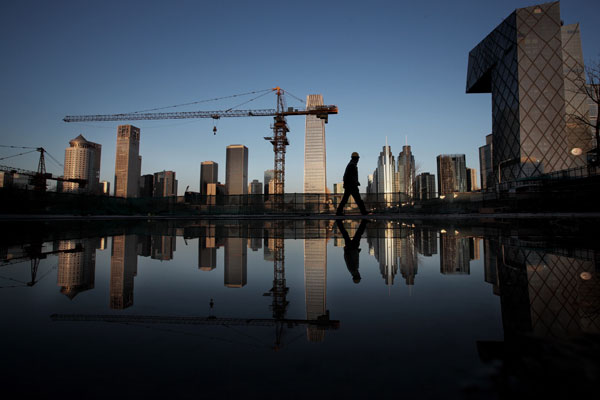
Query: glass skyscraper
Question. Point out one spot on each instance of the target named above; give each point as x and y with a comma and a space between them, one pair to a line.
452, 173
315, 166
209, 173
528, 63
128, 162
236, 169
406, 171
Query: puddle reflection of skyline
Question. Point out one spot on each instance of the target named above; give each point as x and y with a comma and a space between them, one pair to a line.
551, 293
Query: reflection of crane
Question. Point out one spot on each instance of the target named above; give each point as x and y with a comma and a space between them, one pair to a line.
34, 253
39, 177
321, 323
280, 128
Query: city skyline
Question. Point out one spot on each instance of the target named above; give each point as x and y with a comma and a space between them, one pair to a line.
401, 109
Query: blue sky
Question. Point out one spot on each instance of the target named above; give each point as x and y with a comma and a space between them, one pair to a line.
393, 69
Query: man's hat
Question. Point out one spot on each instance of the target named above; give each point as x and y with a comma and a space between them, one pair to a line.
355, 154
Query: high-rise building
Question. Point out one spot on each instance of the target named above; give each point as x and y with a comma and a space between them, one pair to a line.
425, 186
528, 64
406, 171
209, 173
384, 177
104, 188
123, 268
147, 185
128, 162
236, 169
164, 184
76, 270
315, 165
82, 161
472, 180
236, 262
452, 173
255, 187
269, 177
486, 165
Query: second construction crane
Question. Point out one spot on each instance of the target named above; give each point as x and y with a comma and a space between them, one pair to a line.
280, 127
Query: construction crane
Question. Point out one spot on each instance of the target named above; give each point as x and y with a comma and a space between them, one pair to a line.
280, 127
38, 178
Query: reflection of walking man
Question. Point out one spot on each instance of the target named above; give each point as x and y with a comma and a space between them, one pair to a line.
351, 185
352, 248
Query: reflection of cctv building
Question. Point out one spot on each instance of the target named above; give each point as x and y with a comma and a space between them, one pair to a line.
76, 270
528, 64
547, 294
123, 267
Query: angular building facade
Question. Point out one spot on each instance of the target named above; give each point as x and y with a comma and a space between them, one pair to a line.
82, 161
127, 162
526, 63
209, 173
236, 169
452, 173
315, 166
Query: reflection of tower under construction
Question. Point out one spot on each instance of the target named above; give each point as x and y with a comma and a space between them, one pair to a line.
236, 260
315, 283
76, 270
123, 267
454, 253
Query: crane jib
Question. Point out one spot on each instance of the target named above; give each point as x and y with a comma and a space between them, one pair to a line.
320, 111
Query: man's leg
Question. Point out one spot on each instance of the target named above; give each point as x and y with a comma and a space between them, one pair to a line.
359, 202
340, 209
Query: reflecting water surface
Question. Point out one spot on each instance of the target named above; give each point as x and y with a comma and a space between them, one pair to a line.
299, 309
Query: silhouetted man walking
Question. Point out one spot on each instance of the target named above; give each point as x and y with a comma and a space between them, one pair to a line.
352, 248
351, 185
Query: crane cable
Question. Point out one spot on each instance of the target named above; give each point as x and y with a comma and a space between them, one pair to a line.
248, 101
18, 147
53, 159
294, 96
203, 101
15, 155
